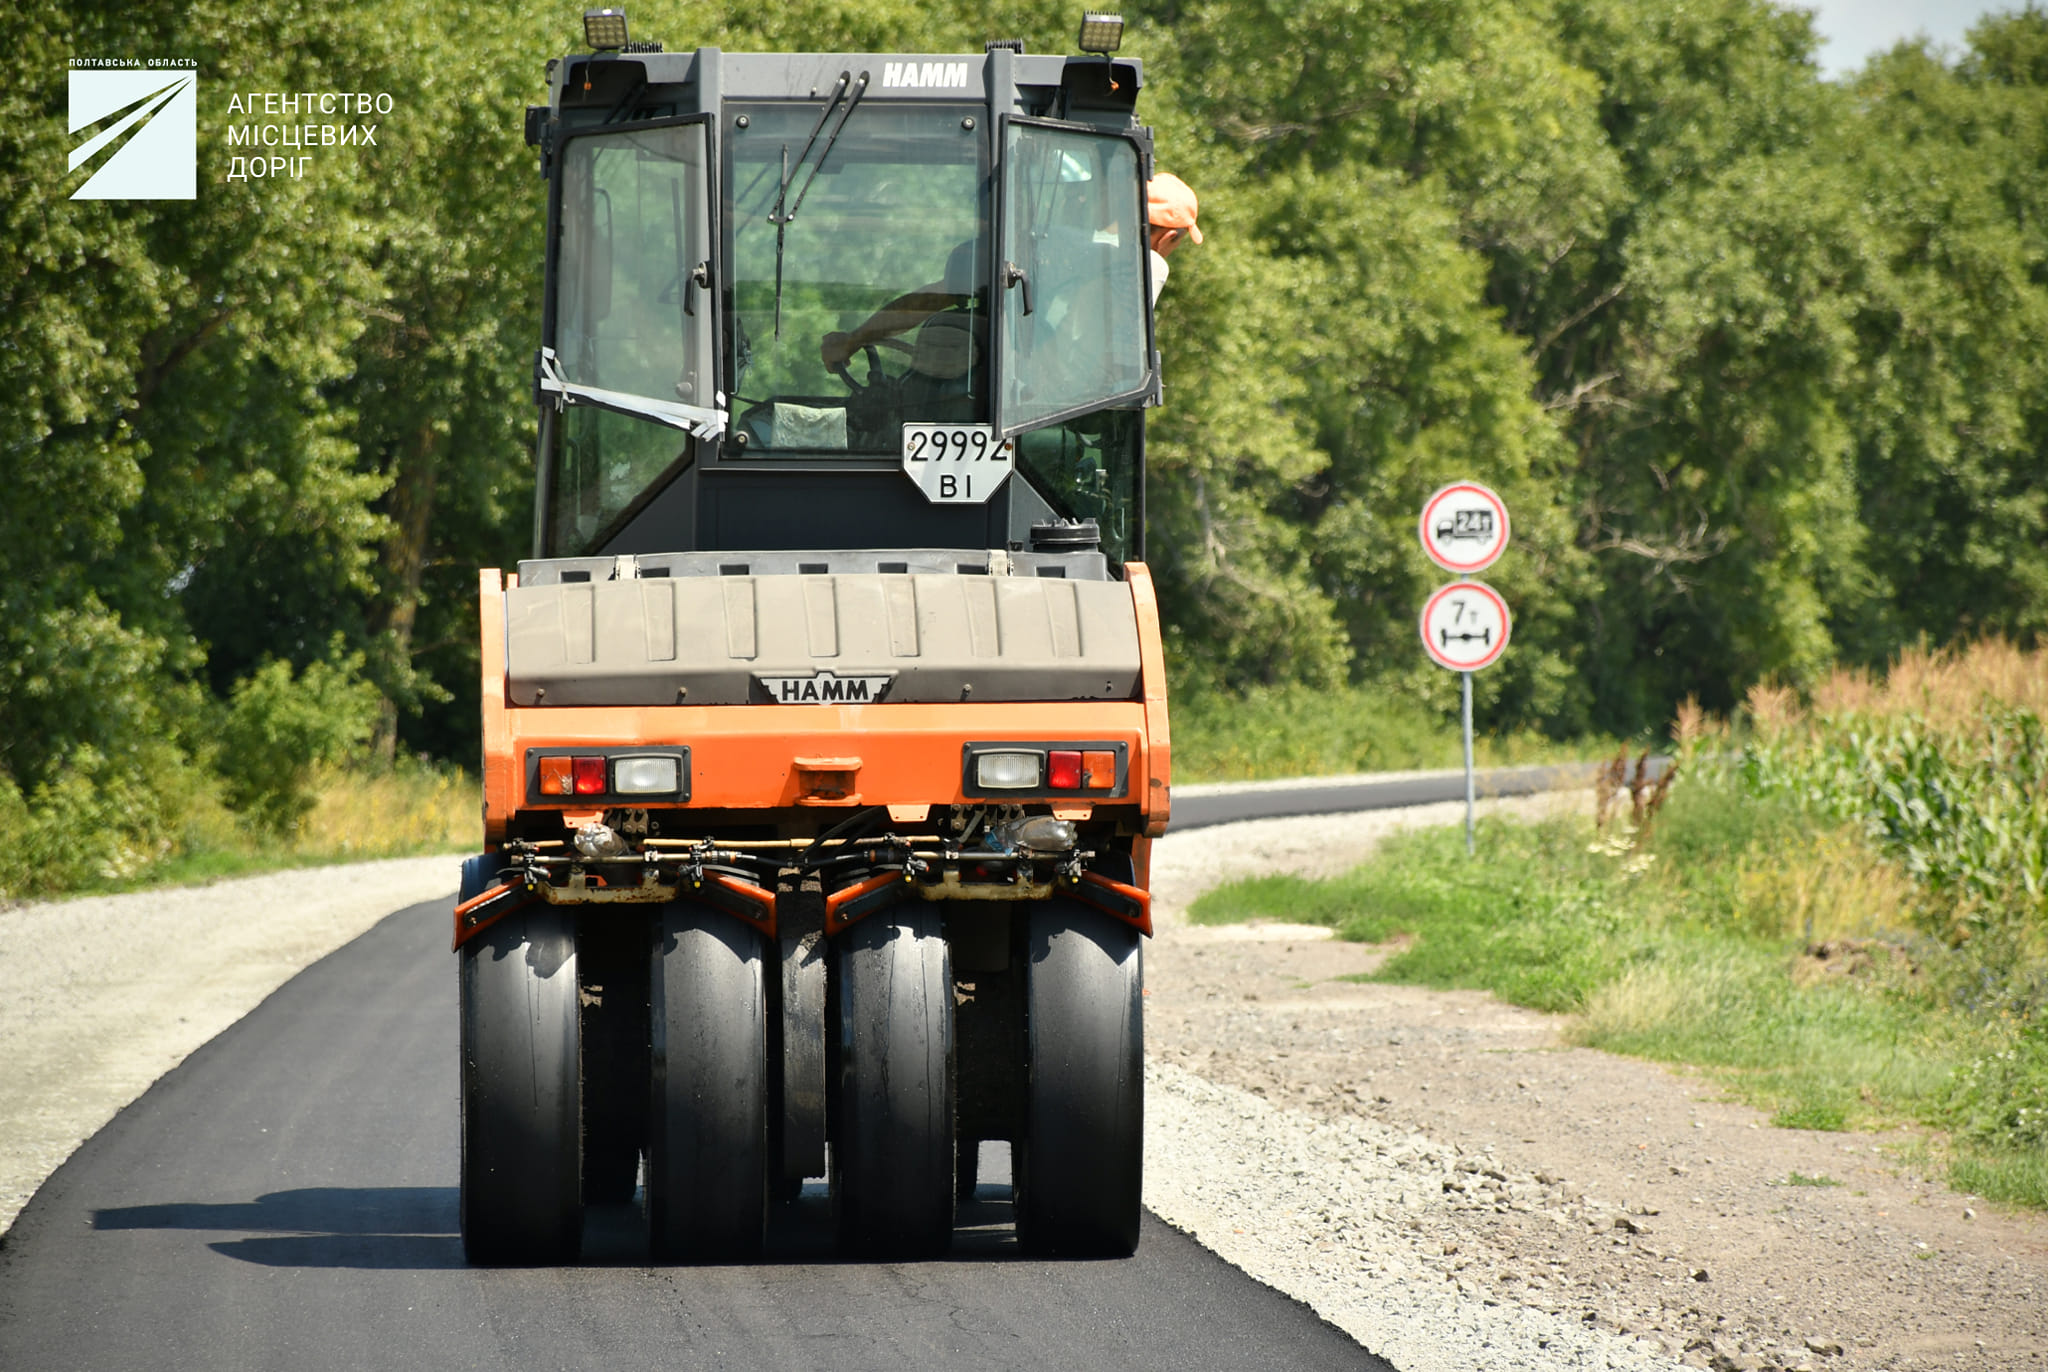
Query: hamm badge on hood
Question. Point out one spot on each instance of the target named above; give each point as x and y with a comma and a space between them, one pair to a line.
824, 688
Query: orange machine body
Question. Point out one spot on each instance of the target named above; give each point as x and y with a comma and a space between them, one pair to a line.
792, 758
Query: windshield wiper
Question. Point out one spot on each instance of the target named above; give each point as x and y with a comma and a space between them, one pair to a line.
781, 217
860, 88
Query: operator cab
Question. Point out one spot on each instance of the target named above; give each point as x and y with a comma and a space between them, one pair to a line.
844, 302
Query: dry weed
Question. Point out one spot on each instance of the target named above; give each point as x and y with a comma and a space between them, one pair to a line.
1837, 887
1773, 710
1692, 727
376, 814
1948, 688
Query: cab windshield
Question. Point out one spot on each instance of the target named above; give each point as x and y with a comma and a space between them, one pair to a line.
859, 291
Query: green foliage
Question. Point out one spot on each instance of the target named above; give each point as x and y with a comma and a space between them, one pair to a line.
94, 819
280, 726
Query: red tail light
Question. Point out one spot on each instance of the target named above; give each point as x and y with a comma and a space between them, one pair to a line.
589, 776
1063, 770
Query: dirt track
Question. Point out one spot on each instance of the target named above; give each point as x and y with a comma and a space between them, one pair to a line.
1623, 1194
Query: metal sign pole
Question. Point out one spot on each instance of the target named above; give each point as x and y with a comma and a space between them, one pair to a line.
1469, 849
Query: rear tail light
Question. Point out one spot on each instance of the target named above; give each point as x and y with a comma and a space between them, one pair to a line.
648, 772
996, 768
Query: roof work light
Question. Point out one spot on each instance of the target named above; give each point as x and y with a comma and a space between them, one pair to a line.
605, 30
1101, 33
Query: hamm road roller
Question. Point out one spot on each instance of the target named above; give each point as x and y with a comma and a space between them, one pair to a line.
825, 734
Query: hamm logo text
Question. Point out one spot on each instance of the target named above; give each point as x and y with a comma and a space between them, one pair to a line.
943, 74
824, 689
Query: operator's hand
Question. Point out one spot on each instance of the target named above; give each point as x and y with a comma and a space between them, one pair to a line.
835, 349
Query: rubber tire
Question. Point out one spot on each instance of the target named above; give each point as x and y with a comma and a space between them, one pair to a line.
1080, 1165
521, 1200
893, 1110
707, 1153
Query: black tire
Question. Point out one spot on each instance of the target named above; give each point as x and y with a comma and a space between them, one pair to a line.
476, 875
707, 1154
1080, 1165
521, 1137
892, 1111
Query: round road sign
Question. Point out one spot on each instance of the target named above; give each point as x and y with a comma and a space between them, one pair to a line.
1465, 626
1464, 527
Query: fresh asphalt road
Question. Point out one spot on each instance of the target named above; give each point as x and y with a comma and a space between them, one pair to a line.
287, 1198
1280, 802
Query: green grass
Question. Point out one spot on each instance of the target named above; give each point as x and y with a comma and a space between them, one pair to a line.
2013, 1178
1687, 948
1802, 1179
1300, 731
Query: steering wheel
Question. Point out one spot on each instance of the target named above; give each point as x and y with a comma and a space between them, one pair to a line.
876, 375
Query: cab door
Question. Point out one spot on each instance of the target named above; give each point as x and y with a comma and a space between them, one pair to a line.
1073, 316
626, 372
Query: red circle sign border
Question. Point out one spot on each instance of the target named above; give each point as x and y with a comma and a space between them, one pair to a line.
1464, 568
1507, 625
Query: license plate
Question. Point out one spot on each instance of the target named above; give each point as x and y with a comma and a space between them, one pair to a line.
955, 464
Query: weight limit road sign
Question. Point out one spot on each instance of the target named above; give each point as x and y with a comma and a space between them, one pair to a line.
1465, 626
1464, 527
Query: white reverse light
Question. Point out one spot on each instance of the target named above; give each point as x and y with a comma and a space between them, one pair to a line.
1009, 771
646, 776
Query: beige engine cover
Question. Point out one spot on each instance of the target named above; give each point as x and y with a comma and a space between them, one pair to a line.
843, 638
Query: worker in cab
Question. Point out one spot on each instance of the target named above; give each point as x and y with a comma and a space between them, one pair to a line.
1171, 210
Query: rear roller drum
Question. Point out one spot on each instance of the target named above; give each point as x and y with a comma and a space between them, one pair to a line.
892, 1105
521, 1137
707, 1155
1079, 1173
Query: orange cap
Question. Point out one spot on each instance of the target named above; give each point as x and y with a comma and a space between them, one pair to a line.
1170, 204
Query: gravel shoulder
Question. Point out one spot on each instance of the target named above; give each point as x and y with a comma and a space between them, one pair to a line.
1470, 1148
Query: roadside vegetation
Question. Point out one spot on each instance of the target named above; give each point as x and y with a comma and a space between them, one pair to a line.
1837, 909
286, 777
353, 814
1302, 731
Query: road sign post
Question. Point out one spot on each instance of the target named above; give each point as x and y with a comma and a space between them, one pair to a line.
1465, 715
1465, 625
